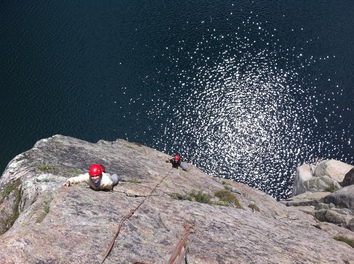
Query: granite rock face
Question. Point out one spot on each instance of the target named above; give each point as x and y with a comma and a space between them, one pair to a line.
43, 222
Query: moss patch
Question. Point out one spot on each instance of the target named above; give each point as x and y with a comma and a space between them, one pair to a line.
7, 221
254, 207
43, 210
228, 197
331, 188
46, 205
226, 185
350, 242
134, 181
8, 189
178, 196
199, 197
47, 167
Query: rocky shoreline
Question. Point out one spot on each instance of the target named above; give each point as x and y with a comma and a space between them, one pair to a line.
42, 221
326, 191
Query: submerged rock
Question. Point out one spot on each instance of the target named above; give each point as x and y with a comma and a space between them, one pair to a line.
43, 222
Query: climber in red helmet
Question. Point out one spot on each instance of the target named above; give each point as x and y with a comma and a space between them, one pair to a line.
176, 162
96, 178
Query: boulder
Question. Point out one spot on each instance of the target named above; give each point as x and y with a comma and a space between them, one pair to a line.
303, 174
343, 198
340, 217
350, 225
348, 178
155, 214
322, 177
321, 184
306, 199
322, 194
332, 168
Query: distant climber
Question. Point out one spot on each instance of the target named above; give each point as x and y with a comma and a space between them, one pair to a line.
96, 178
176, 162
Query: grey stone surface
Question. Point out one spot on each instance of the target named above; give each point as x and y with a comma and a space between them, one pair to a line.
326, 175
75, 224
303, 173
322, 194
332, 168
348, 178
322, 184
342, 198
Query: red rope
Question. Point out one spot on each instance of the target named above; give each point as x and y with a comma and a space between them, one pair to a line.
188, 229
127, 216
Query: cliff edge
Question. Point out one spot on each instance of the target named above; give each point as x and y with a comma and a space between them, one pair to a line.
155, 214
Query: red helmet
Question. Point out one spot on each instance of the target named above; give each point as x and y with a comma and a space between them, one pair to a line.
95, 170
176, 157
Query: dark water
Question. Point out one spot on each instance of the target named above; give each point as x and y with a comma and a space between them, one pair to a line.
245, 90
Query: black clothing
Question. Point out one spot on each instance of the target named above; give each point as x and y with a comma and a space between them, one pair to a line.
175, 163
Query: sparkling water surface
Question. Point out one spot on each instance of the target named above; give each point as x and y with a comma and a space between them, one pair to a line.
245, 90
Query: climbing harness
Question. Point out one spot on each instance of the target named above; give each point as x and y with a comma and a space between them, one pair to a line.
127, 216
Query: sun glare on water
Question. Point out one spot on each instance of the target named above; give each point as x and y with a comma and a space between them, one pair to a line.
237, 107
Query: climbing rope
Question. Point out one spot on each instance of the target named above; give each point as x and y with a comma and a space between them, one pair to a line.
188, 229
127, 216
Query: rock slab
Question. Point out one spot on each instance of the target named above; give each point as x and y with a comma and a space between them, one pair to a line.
44, 222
